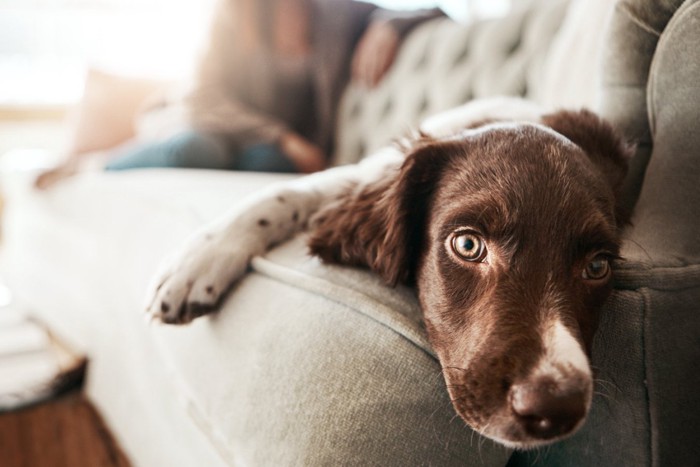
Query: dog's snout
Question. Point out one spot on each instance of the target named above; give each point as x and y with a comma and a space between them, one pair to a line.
545, 410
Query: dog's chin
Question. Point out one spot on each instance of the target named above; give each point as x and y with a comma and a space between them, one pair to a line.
507, 431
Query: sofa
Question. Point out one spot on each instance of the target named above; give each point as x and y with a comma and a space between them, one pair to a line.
310, 364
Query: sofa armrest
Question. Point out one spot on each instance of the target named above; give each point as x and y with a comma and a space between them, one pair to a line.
645, 409
665, 233
666, 220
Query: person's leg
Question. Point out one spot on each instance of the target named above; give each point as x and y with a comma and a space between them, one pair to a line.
189, 149
264, 158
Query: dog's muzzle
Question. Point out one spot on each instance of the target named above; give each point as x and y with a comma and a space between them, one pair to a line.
545, 410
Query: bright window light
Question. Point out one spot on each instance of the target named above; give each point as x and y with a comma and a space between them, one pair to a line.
460, 10
46, 46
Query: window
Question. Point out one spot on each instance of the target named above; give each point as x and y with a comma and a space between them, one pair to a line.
47, 45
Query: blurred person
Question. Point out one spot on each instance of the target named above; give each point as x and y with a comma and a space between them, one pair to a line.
266, 92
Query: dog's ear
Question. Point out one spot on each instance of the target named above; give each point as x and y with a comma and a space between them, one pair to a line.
604, 145
382, 225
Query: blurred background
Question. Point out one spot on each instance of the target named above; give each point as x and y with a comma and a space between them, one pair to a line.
46, 45
49, 49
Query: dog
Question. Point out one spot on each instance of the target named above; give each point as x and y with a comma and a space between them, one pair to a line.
503, 217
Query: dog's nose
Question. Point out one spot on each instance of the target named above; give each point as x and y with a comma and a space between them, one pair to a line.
545, 410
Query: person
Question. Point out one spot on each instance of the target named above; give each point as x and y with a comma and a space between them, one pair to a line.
267, 89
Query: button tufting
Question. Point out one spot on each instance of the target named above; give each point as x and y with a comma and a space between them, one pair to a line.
356, 109
423, 105
464, 53
388, 106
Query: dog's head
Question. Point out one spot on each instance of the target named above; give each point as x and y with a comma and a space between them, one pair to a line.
508, 231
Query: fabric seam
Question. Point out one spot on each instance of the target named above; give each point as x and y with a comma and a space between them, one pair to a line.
651, 432
325, 288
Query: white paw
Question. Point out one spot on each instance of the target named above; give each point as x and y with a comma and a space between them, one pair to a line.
193, 282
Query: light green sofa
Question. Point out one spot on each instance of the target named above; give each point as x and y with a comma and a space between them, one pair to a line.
309, 364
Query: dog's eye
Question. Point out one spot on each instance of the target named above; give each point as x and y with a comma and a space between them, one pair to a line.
597, 269
469, 246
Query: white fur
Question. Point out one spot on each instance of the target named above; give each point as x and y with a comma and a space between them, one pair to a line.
563, 354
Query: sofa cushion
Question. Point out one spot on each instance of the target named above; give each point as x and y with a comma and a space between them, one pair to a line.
443, 64
635, 29
305, 364
79, 257
573, 68
106, 115
667, 216
297, 369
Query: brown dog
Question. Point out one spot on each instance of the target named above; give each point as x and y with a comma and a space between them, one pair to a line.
508, 233
507, 230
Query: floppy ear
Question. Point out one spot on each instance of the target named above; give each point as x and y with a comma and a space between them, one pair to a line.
604, 145
382, 226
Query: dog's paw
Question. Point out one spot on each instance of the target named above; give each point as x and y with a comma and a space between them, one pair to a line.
193, 281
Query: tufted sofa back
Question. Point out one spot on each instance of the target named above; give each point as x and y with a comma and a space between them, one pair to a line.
443, 64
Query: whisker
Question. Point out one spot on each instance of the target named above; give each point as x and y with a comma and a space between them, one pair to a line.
547, 449
453, 368
606, 384
438, 436
646, 253
538, 451
482, 439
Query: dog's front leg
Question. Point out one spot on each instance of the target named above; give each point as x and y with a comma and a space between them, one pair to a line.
194, 279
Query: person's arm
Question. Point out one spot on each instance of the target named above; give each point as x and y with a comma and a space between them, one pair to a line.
378, 46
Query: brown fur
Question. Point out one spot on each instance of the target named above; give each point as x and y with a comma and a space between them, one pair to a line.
544, 205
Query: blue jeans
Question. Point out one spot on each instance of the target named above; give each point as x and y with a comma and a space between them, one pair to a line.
196, 150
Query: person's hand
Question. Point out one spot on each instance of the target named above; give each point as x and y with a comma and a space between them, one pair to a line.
47, 179
306, 156
374, 54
